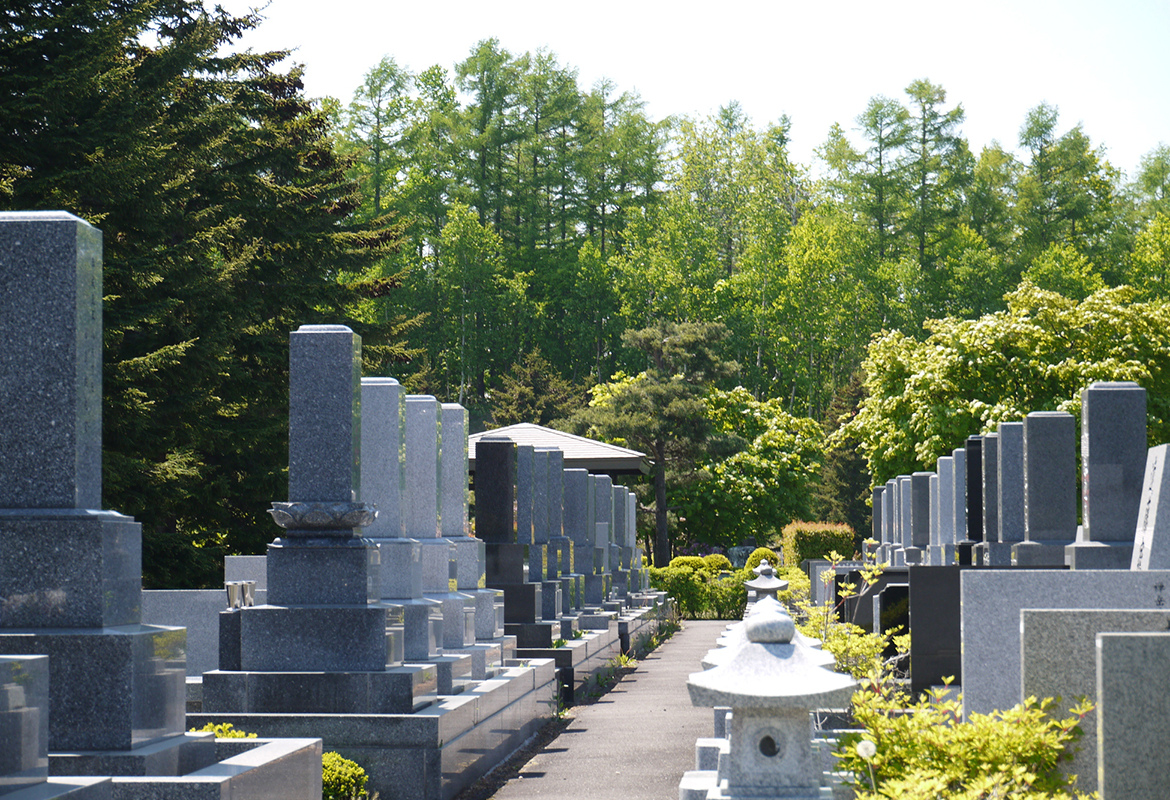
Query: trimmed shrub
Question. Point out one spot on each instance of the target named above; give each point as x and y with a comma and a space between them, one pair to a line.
223, 730
342, 779
803, 540
717, 562
694, 562
758, 555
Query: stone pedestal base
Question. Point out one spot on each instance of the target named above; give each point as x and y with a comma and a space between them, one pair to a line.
177, 755
532, 634
398, 690
994, 554
313, 638
120, 688
489, 614
1039, 554
1099, 555
596, 589
346, 572
551, 602
458, 610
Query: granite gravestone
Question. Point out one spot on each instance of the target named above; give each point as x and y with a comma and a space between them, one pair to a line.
1050, 485
1011, 484
974, 507
993, 552
320, 643
70, 573
507, 561
400, 579
1151, 544
1059, 659
1133, 714
1113, 460
991, 602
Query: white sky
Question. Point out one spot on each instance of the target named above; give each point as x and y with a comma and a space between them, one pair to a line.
1104, 63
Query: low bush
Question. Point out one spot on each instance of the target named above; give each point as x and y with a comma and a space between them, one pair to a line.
342, 779
920, 749
759, 554
694, 562
804, 540
223, 730
717, 562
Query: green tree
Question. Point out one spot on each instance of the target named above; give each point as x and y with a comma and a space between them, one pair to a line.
760, 488
661, 411
925, 398
377, 120
227, 222
532, 391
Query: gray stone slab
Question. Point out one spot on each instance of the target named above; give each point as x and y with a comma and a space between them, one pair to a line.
1050, 478
603, 503
877, 533
1133, 714
556, 493
50, 407
324, 427
1059, 659
946, 500
905, 511
540, 496
525, 492
247, 568
1152, 540
1113, 458
920, 509
991, 604
197, 610
382, 440
577, 504
959, 498
343, 571
313, 639
421, 496
990, 460
974, 489
453, 467
1011, 482
935, 528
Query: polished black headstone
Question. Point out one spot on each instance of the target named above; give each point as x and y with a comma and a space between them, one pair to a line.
495, 489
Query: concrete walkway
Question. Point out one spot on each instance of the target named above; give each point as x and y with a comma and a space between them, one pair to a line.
636, 742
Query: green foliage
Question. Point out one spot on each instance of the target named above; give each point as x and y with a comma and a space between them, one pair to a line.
532, 391
342, 779
695, 563
921, 749
223, 730
699, 593
925, 398
759, 487
717, 562
761, 553
804, 540
661, 410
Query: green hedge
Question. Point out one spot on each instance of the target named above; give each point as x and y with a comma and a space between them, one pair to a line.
758, 555
803, 540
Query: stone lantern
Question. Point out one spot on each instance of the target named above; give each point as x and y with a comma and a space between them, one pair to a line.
766, 584
771, 684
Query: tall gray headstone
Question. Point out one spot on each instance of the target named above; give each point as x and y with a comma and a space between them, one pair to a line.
1050, 485
421, 464
993, 552
1152, 540
1133, 714
382, 440
946, 511
453, 470
70, 573
876, 517
919, 516
959, 499
1011, 482
1113, 460
525, 492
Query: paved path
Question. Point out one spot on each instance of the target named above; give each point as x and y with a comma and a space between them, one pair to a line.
636, 742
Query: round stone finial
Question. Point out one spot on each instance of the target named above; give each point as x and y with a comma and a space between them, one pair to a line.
771, 626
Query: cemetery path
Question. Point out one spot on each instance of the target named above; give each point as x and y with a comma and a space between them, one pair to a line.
636, 742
